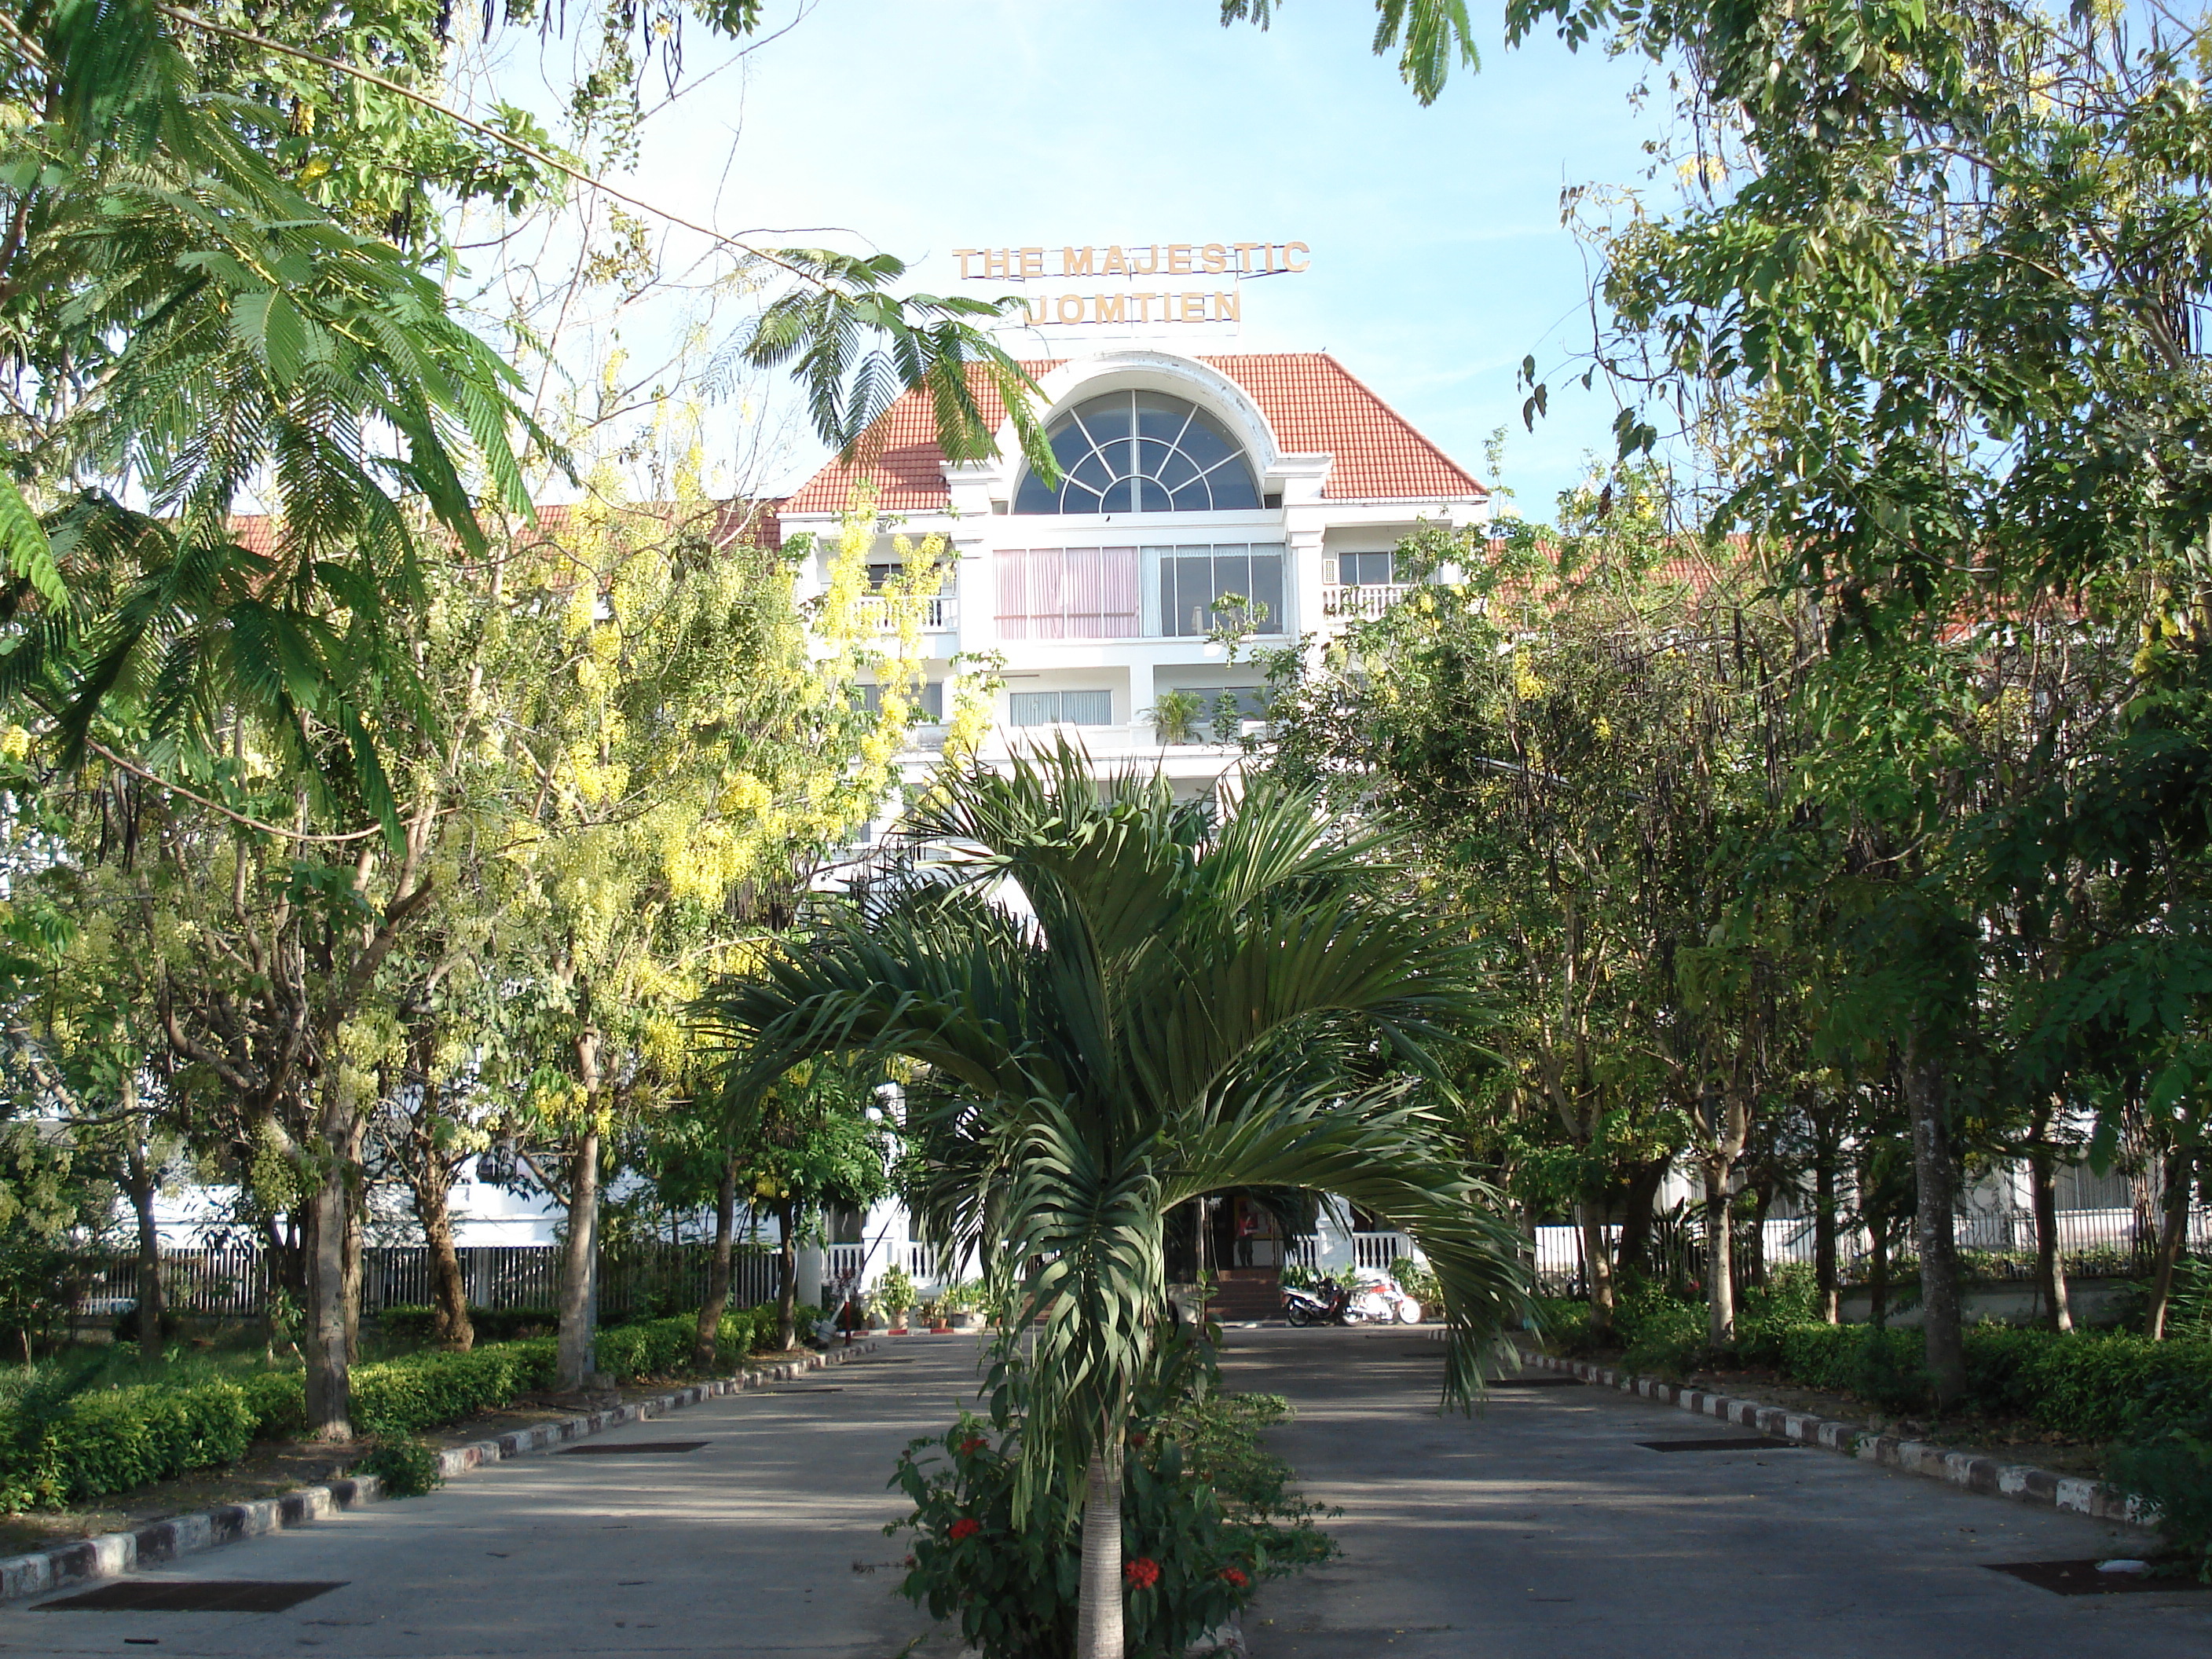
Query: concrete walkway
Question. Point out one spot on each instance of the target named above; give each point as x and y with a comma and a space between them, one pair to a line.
766, 1540
1540, 1529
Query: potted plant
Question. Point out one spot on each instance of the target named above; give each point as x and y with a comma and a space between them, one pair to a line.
895, 1291
962, 1304
1174, 718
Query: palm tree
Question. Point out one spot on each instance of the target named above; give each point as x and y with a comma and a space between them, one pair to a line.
1124, 1008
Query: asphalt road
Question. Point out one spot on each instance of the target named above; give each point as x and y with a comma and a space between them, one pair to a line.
1540, 1529
768, 1539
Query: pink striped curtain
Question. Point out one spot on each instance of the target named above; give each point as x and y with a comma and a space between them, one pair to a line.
1011, 568
1067, 593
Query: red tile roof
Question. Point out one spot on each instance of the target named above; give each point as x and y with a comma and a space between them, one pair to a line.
1315, 404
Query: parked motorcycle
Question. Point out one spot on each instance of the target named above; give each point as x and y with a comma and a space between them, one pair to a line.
1378, 1301
1325, 1304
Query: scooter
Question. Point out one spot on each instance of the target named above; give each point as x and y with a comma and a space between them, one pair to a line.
1327, 1304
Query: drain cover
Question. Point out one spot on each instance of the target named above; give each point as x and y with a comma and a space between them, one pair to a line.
192, 1595
1722, 1442
634, 1449
2082, 1579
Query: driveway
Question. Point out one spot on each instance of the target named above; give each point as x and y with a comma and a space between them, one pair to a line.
766, 1540
1541, 1527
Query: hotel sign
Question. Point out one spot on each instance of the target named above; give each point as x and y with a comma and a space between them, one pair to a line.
1130, 264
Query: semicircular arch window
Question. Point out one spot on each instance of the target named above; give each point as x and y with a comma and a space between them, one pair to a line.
1141, 452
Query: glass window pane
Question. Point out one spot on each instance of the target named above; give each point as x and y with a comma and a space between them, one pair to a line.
1205, 443
1107, 417
1233, 489
1032, 707
933, 701
1175, 470
1159, 416
1268, 590
1034, 496
1117, 498
1086, 708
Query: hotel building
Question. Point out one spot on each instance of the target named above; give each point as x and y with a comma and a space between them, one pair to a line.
1276, 477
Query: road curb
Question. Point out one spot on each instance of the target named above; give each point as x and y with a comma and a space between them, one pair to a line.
112, 1555
2022, 1482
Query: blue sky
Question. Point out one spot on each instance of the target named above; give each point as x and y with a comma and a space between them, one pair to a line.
1438, 259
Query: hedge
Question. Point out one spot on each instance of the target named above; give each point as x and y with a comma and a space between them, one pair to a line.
2085, 1385
115, 1439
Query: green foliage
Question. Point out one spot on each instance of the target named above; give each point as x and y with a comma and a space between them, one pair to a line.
895, 1291
1207, 1515
2170, 1469
408, 1466
1175, 717
408, 1326
59, 1446
1417, 1282
1194, 1006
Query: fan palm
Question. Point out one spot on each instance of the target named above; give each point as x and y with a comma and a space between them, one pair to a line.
1168, 1011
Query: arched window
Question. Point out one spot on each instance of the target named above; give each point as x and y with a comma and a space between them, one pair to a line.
1141, 452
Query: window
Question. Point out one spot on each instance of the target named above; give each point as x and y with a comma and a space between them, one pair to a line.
928, 702
1192, 579
1067, 592
1366, 569
1141, 452
1059, 709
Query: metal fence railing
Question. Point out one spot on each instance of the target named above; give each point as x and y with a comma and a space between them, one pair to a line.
1994, 1244
234, 1282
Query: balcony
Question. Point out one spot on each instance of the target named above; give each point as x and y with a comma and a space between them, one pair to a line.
939, 614
1365, 602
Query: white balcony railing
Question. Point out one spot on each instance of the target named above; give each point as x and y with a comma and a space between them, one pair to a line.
1369, 600
939, 614
1377, 1251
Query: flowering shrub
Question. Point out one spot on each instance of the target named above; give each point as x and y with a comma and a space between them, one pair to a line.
1206, 1516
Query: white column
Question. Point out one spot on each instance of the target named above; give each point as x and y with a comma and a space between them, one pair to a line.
1141, 697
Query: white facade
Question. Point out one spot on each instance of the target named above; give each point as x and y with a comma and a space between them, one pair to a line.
1080, 606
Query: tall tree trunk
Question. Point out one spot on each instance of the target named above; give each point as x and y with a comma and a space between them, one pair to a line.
1634, 1256
450, 1324
2050, 1270
1826, 1295
1935, 1172
1597, 1266
351, 1260
718, 1283
1720, 1256
578, 1258
1877, 1269
786, 1274
141, 1184
2172, 1236
1754, 1273
328, 1387
1098, 1610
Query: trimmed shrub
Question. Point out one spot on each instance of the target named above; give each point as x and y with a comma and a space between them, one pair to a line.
409, 1468
53, 1451
430, 1390
112, 1439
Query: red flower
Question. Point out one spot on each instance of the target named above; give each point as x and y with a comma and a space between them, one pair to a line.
1144, 1572
971, 1443
1137, 1436
966, 1526
1235, 1577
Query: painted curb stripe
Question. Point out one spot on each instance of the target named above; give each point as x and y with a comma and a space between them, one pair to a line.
2021, 1481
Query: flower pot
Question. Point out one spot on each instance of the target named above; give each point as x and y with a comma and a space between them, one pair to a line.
968, 1322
